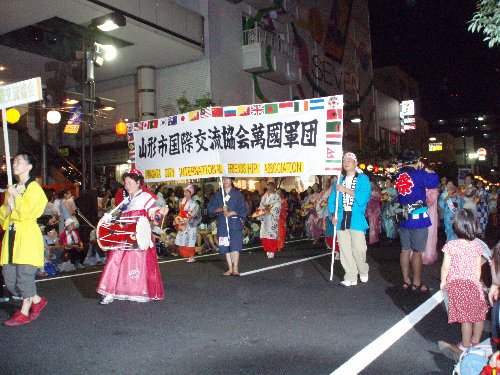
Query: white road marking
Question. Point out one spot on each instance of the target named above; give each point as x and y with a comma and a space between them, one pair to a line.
159, 262
283, 265
377, 347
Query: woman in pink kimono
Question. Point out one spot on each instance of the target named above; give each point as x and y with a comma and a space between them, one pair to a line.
374, 214
430, 254
133, 275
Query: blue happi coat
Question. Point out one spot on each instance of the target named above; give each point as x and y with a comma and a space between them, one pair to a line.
235, 202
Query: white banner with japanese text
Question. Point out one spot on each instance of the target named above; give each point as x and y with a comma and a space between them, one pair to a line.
294, 138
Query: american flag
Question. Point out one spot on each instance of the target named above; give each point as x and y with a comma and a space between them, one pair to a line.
257, 109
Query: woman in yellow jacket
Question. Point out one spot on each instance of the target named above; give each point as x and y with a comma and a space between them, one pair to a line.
22, 245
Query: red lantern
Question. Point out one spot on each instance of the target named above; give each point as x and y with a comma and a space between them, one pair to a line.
121, 128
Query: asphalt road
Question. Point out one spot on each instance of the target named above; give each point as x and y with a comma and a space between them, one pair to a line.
285, 320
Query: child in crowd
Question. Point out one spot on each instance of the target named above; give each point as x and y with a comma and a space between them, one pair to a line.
72, 243
52, 250
460, 278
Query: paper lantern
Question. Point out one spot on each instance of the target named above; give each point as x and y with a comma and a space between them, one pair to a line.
121, 128
12, 115
362, 166
53, 117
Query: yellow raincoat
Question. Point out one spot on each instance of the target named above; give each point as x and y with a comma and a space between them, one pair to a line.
28, 243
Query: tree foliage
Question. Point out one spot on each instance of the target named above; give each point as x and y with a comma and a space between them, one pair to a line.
487, 21
185, 105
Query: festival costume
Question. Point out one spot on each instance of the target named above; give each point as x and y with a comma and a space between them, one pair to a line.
314, 222
325, 216
492, 207
133, 275
482, 210
271, 204
468, 197
23, 247
389, 201
430, 253
28, 241
449, 207
466, 297
234, 202
411, 185
374, 215
352, 225
282, 224
186, 237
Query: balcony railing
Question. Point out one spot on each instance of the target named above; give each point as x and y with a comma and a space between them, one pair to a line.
269, 39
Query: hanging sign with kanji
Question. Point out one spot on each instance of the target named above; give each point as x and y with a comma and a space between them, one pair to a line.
293, 138
22, 92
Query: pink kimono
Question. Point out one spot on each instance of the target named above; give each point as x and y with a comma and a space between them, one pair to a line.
374, 216
430, 254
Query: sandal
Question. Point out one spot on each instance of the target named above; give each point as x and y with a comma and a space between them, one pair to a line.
236, 274
227, 273
406, 286
422, 288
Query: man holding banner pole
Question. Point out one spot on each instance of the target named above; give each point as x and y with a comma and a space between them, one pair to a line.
353, 193
229, 206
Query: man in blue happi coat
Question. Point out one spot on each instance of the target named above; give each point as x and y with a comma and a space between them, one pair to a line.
412, 181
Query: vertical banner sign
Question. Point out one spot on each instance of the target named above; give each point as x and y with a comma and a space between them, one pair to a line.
407, 115
293, 138
74, 121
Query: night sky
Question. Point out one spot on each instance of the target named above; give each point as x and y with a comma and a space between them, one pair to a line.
457, 73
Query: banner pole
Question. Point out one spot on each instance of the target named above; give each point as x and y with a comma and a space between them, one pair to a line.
334, 233
6, 146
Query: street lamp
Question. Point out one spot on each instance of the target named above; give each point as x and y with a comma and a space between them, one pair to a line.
95, 56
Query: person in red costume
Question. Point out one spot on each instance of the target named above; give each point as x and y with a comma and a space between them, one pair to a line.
133, 274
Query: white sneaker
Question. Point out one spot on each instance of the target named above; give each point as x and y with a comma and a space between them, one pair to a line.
270, 255
107, 300
363, 278
348, 283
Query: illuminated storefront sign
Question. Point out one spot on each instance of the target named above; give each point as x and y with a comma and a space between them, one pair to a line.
436, 146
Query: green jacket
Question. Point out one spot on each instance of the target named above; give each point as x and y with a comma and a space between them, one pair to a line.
28, 243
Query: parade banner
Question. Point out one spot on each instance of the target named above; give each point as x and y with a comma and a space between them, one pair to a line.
293, 138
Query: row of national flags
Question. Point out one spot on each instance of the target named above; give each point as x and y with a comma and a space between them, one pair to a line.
331, 105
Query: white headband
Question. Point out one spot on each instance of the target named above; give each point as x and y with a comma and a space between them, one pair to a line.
351, 155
